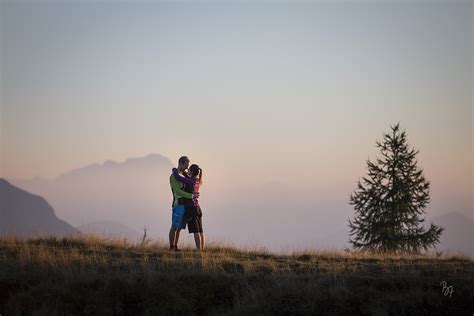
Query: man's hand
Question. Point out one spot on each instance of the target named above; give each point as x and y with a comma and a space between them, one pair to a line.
196, 195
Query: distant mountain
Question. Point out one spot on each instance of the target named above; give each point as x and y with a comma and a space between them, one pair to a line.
109, 167
111, 229
27, 214
135, 192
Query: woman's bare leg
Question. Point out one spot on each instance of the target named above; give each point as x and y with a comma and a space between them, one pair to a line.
201, 235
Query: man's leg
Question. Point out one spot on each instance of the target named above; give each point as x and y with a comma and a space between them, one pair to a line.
172, 236
197, 240
176, 238
176, 221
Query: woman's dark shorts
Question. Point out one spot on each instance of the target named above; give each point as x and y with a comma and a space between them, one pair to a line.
193, 218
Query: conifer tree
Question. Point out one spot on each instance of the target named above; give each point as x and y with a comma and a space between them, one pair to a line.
391, 200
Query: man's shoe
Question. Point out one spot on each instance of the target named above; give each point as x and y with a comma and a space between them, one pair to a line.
177, 249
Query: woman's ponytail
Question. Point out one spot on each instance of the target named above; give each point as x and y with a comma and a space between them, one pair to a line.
200, 175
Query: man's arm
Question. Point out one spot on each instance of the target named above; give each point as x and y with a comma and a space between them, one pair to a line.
175, 186
183, 179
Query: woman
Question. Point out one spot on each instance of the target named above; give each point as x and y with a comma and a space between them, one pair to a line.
193, 214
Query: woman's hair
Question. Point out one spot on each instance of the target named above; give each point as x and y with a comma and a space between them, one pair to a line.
195, 172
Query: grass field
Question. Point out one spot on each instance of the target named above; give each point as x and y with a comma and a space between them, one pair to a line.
93, 275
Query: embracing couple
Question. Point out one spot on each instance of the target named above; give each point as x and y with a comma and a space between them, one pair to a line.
185, 182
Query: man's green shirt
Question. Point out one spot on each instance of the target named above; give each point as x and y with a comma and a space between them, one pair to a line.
177, 192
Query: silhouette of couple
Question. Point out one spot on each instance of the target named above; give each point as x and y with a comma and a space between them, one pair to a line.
185, 185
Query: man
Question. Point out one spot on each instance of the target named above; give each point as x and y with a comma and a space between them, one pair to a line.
179, 196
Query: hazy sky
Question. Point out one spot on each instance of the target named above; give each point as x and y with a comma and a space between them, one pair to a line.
252, 91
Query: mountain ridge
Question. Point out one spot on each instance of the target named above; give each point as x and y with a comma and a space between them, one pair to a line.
26, 214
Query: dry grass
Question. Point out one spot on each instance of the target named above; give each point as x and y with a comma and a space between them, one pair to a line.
111, 275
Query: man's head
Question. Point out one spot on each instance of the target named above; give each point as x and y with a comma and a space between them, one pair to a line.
183, 163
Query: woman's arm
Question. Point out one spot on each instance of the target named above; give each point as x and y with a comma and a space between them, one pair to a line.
183, 179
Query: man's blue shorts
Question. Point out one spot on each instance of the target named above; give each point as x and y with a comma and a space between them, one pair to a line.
177, 219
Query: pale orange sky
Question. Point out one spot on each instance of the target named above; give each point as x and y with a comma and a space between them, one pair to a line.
295, 93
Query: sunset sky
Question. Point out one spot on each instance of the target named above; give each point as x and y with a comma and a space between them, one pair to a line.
255, 92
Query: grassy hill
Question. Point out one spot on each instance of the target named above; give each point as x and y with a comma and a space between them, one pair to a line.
93, 275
